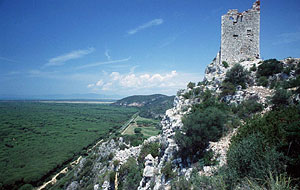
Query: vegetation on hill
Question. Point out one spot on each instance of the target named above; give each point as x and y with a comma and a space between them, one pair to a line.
205, 122
264, 153
151, 106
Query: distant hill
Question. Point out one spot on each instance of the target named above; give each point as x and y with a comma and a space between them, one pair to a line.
151, 106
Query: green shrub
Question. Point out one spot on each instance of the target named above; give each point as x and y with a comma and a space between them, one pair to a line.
180, 183
225, 64
167, 171
269, 67
134, 140
263, 81
26, 187
280, 98
293, 83
130, 175
252, 158
200, 127
279, 182
149, 148
277, 131
137, 130
191, 85
197, 91
237, 75
253, 68
112, 175
287, 70
188, 95
227, 89
247, 108
200, 182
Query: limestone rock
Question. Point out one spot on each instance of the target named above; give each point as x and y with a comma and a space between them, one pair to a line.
73, 186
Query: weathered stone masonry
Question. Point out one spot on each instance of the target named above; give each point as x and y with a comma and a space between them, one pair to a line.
240, 35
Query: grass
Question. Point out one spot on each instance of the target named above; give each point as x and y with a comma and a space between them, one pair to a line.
148, 127
37, 139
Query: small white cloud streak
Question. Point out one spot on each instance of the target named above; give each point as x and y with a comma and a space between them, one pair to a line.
286, 38
168, 41
103, 63
7, 59
60, 60
149, 24
106, 53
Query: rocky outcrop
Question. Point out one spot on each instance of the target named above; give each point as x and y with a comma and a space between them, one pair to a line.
215, 72
259, 93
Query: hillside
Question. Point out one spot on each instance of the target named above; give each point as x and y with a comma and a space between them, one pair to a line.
151, 106
236, 130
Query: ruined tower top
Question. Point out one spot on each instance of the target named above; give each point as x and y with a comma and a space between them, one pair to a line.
240, 35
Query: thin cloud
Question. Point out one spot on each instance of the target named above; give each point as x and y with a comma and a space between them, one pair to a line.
106, 53
286, 38
60, 60
168, 41
149, 24
9, 60
103, 63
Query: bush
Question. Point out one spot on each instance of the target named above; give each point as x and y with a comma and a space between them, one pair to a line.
280, 98
269, 67
130, 175
237, 75
180, 184
112, 176
227, 89
137, 130
225, 64
149, 148
263, 81
26, 187
167, 171
134, 140
208, 182
278, 131
200, 127
252, 158
293, 83
188, 95
253, 68
279, 182
247, 108
191, 85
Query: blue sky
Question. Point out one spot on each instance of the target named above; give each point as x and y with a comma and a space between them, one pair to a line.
125, 47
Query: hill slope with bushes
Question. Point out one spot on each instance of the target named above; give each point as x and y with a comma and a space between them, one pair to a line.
151, 106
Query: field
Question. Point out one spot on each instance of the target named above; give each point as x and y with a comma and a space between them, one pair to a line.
38, 138
147, 126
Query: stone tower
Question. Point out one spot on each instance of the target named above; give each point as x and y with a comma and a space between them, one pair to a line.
240, 35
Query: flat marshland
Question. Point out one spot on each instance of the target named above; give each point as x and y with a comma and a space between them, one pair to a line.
38, 138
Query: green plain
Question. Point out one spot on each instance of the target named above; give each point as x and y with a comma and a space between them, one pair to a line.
148, 127
38, 138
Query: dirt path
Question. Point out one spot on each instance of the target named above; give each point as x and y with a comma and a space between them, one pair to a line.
63, 171
125, 127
